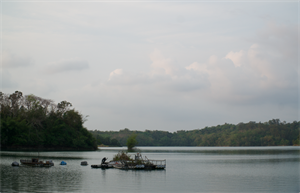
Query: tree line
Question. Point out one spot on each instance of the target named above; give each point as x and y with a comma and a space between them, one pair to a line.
271, 133
33, 122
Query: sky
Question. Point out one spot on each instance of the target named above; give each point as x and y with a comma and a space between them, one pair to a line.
155, 65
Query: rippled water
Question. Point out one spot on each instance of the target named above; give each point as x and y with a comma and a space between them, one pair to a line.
189, 169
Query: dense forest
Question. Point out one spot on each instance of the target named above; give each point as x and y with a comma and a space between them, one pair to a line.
31, 122
271, 133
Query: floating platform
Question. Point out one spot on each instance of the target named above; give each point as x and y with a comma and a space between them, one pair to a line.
141, 163
35, 162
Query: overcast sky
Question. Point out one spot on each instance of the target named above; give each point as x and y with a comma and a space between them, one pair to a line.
156, 65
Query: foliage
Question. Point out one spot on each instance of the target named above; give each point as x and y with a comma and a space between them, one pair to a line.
131, 142
31, 121
122, 156
297, 141
271, 133
107, 141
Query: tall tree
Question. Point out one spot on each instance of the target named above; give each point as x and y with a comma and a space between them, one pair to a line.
131, 142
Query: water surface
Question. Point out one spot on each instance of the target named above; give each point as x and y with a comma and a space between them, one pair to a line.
189, 169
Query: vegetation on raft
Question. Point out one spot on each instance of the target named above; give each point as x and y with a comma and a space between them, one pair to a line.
122, 155
32, 123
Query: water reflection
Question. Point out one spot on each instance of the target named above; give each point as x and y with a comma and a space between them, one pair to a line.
189, 169
35, 179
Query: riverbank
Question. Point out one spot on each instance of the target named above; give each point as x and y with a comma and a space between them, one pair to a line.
20, 148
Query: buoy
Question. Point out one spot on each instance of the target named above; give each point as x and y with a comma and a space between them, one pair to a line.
63, 163
15, 163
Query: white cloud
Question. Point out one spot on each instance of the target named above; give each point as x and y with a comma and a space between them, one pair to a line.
161, 65
116, 72
238, 58
261, 72
242, 77
213, 60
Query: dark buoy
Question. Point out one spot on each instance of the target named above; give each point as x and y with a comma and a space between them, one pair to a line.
84, 163
15, 163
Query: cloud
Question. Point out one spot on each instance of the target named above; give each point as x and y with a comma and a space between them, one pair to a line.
162, 74
249, 76
67, 65
282, 38
116, 72
161, 65
122, 78
238, 58
261, 73
10, 60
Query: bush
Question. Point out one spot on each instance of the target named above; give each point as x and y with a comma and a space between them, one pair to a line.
122, 156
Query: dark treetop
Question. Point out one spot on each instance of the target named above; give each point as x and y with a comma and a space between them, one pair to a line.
31, 122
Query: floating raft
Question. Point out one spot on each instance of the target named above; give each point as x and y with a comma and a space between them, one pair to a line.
146, 165
103, 166
141, 164
106, 165
36, 163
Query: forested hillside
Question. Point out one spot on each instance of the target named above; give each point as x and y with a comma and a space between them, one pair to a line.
31, 122
271, 133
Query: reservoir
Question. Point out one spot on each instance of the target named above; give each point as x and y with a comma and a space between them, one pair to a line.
188, 169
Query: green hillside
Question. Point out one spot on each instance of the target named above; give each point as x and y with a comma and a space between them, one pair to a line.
271, 133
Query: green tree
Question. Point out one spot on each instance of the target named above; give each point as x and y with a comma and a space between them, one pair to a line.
32, 121
296, 141
115, 142
131, 142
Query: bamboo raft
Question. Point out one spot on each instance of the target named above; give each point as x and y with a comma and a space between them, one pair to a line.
141, 164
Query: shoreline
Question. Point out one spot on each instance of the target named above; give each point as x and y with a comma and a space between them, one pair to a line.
45, 149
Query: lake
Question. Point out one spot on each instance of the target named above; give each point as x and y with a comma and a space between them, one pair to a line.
189, 169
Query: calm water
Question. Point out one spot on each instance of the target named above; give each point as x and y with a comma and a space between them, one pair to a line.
189, 169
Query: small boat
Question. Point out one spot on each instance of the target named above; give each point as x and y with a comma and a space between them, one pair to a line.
84, 163
104, 165
36, 162
63, 163
15, 163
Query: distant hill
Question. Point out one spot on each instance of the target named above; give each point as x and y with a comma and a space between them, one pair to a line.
271, 133
33, 123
